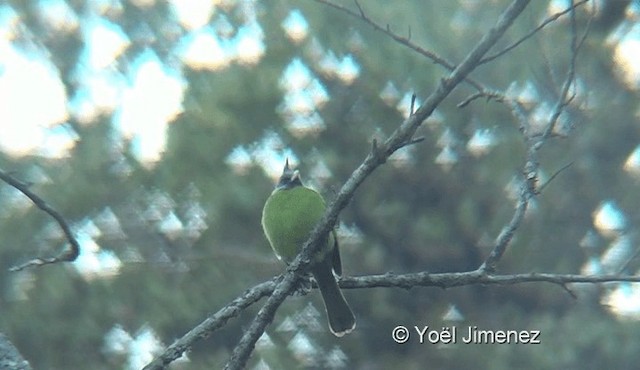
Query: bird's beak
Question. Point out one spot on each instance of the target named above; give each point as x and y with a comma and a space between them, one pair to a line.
287, 172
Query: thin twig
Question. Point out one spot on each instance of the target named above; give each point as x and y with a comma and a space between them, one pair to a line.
529, 187
564, 100
489, 95
482, 90
414, 141
67, 255
406, 41
554, 176
530, 34
413, 104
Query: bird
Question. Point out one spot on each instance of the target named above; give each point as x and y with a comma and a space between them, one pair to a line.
289, 216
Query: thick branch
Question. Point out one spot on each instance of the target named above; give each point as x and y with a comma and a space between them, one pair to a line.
10, 358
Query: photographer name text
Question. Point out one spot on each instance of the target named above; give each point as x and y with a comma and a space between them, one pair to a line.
466, 335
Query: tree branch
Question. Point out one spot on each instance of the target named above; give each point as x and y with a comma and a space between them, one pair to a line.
529, 186
458, 279
67, 255
406, 41
213, 322
10, 358
402, 135
381, 152
531, 33
388, 280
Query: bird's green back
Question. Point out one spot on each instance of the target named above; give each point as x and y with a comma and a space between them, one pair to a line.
289, 216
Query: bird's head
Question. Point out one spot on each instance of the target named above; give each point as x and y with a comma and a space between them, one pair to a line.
289, 178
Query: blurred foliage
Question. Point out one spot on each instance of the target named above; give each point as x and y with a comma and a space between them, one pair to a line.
413, 214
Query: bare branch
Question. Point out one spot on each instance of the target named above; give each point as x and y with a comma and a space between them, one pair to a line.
406, 41
402, 135
212, 323
388, 280
507, 233
414, 141
554, 176
10, 358
489, 95
482, 90
413, 104
243, 350
530, 34
529, 187
66, 255
564, 100
476, 277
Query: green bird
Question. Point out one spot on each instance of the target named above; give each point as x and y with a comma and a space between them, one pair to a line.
290, 214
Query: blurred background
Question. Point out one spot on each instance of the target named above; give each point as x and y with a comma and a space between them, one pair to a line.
158, 129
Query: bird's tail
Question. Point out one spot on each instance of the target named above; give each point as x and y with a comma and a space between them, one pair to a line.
341, 318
